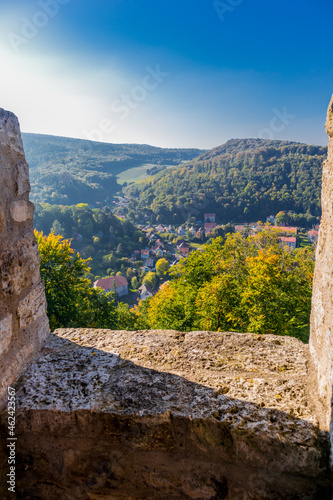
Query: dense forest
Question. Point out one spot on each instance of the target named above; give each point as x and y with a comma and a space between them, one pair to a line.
243, 180
70, 171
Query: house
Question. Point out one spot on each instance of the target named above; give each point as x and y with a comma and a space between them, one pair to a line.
184, 249
165, 283
180, 242
289, 241
159, 243
149, 263
136, 254
107, 284
271, 219
240, 227
209, 227
209, 218
313, 236
145, 292
160, 229
192, 231
152, 237
144, 254
181, 231
158, 248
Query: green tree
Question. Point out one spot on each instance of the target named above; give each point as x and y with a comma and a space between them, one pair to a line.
135, 283
162, 267
126, 317
130, 273
71, 300
149, 279
173, 307
57, 228
282, 218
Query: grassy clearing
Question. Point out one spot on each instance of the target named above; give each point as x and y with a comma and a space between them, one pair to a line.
136, 174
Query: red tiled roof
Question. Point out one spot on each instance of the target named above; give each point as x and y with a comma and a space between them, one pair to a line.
290, 239
107, 283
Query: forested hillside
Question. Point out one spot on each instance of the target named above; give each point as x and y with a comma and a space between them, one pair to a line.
70, 171
243, 180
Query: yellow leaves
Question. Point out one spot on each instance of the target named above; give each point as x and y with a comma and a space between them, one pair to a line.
242, 284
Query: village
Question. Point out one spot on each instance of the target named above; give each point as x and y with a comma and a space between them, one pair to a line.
170, 244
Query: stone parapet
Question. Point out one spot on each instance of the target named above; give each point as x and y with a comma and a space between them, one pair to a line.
164, 414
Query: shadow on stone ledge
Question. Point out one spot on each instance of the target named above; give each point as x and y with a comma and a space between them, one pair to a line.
166, 415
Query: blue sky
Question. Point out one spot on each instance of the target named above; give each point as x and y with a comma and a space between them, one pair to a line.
172, 74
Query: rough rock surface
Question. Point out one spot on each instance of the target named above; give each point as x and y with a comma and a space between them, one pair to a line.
19, 261
321, 337
167, 415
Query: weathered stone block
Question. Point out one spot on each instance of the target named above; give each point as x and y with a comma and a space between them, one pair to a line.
32, 307
22, 178
22, 211
10, 135
19, 268
15, 366
6, 332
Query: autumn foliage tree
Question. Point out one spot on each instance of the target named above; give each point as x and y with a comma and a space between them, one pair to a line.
71, 300
242, 284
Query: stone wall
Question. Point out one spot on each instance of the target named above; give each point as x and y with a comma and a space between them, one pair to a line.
321, 336
23, 321
159, 415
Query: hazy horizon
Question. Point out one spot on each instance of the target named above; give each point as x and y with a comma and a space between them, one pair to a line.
158, 146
